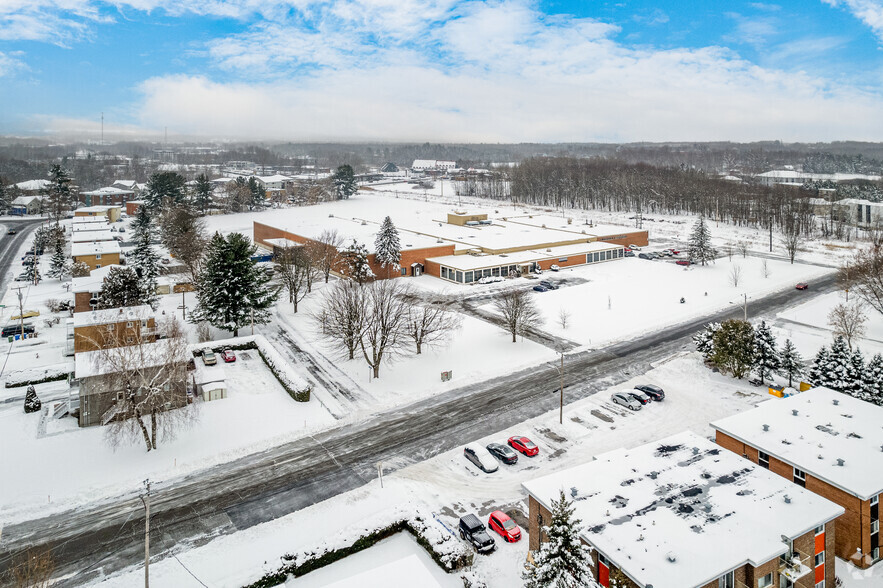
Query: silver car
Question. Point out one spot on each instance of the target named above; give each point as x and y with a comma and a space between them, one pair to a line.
625, 400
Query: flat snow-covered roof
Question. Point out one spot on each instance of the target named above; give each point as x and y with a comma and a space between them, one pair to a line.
471, 262
683, 498
819, 435
112, 315
93, 282
99, 247
89, 236
107, 191
97, 208
93, 363
81, 222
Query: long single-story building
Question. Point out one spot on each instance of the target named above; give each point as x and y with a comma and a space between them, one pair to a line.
464, 246
96, 254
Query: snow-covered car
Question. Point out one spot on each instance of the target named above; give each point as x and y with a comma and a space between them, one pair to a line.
548, 285
22, 278
209, 357
634, 248
480, 457
625, 400
228, 355
554, 267
490, 279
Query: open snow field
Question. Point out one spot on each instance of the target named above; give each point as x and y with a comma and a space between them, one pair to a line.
69, 465
449, 485
625, 298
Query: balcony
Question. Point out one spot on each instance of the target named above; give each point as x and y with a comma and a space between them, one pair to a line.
794, 568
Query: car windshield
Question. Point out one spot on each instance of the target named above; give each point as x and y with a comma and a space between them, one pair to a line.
527, 443
509, 524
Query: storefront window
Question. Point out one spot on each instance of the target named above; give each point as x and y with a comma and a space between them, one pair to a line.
495, 272
460, 277
468, 277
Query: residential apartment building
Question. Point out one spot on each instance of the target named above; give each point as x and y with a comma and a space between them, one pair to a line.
827, 442
96, 254
112, 213
113, 327
86, 289
107, 196
683, 513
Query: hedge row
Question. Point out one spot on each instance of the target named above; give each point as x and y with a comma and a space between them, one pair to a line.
51, 378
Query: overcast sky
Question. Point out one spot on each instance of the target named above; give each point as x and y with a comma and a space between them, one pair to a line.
444, 70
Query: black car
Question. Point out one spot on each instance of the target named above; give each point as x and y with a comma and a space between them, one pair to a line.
474, 531
654, 392
10, 232
549, 285
645, 256
503, 452
16, 330
639, 396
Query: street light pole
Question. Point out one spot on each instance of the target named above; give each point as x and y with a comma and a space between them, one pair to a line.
561, 377
745, 308
146, 500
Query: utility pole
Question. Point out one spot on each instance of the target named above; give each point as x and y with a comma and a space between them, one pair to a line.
745, 308
561, 377
252, 321
184, 307
145, 498
771, 233
21, 312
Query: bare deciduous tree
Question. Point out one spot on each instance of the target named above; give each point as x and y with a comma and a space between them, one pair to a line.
383, 327
728, 251
32, 569
742, 247
183, 233
149, 379
295, 270
735, 275
865, 274
792, 241
765, 269
518, 310
563, 318
341, 316
848, 321
430, 322
325, 251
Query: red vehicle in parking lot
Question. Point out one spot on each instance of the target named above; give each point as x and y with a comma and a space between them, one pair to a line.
229, 356
683, 262
802, 286
523, 445
505, 526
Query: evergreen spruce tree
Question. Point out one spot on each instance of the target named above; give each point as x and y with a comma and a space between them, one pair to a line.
164, 188
792, 363
345, 182
4, 196
32, 402
144, 259
258, 193
873, 379
855, 371
58, 192
59, 265
562, 561
232, 289
818, 370
838, 365
202, 193
32, 272
122, 287
387, 247
355, 256
700, 249
734, 347
704, 340
766, 356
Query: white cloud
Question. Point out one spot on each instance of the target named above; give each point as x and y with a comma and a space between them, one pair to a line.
869, 12
10, 63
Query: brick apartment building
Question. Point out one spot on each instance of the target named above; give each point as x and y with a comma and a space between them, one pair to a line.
86, 289
683, 513
113, 327
96, 254
827, 442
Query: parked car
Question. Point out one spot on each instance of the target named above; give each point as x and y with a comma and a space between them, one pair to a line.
505, 526
490, 279
629, 253
802, 286
16, 330
474, 531
654, 392
523, 445
625, 400
684, 262
540, 288
639, 396
122, 229
209, 357
503, 452
22, 278
228, 355
675, 252
554, 267
26, 314
548, 285
481, 457
645, 256
634, 247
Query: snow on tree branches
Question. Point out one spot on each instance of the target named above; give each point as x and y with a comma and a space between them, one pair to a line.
387, 247
700, 249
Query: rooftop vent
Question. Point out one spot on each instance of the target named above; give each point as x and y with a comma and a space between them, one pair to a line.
695, 451
574, 491
840, 462
794, 412
330, 216
548, 251
787, 499
836, 402
654, 474
671, 556
766, 427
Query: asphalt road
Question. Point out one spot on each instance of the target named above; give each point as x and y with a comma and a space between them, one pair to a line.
106, 537
10, 244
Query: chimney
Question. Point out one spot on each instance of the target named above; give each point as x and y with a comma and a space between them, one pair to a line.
766, 427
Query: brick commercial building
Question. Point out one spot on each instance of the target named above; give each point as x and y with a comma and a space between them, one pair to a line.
683, 513
465, 247
828, 443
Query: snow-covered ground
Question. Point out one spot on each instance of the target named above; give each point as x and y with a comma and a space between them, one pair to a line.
449, 485
69, 465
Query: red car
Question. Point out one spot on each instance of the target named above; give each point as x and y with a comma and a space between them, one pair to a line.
675, 252
683, 262
229, 356
505, 526
802, 286
524, 445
